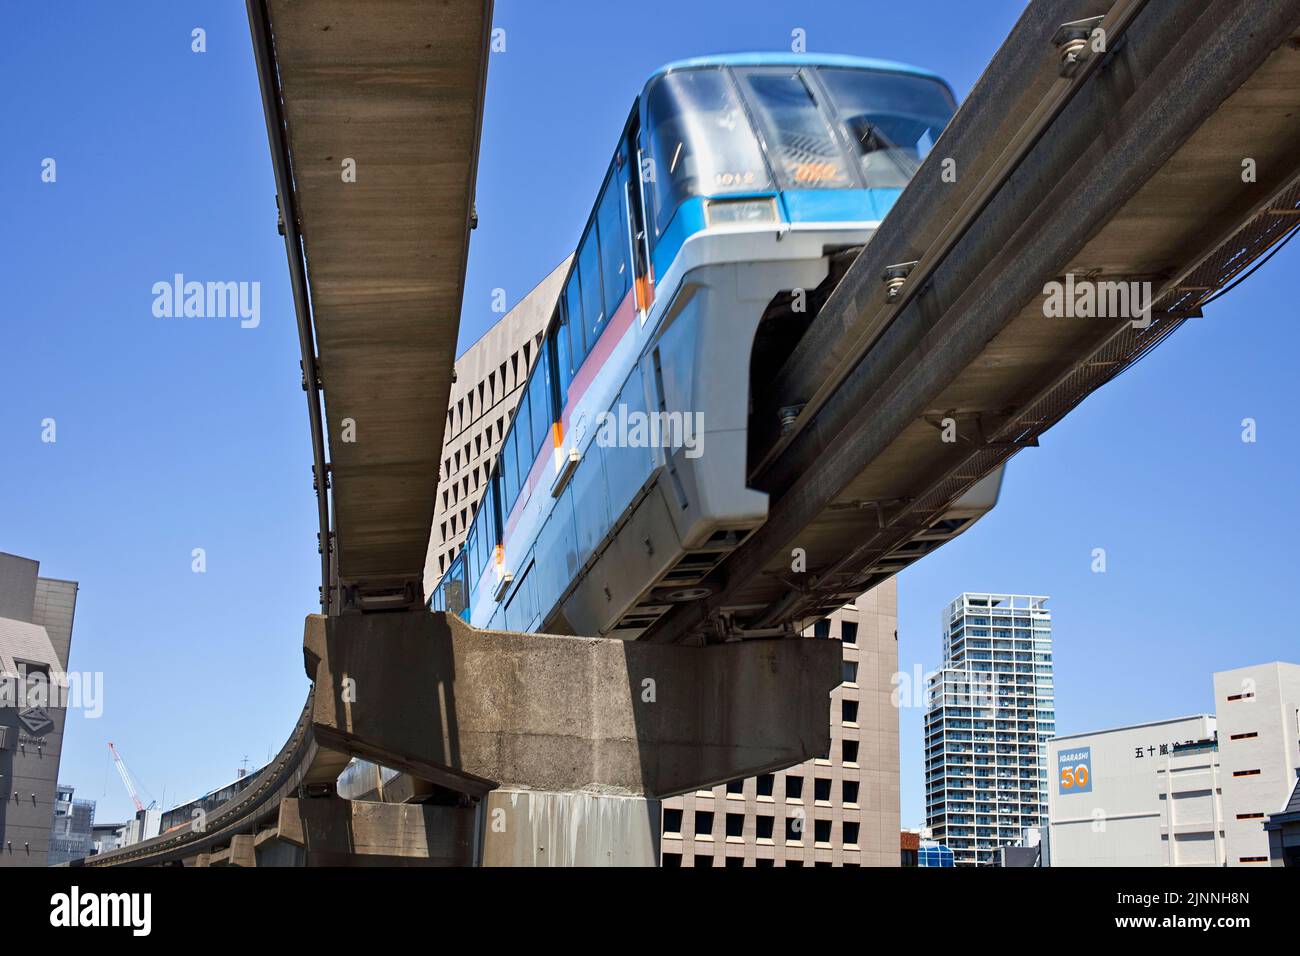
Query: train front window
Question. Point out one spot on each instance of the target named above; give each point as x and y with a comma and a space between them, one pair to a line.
701, 142
800, 141
893, 119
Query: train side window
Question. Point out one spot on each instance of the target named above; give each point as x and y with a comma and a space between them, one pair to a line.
509, 476
612, 219
539, 402
522, 426
471, 559
557, 343
593, 309
455, 586
573, 321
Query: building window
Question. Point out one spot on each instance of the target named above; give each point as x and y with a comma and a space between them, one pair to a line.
822, 629
703, 860
1244, 736
851, 831
794, 862
849, 632
850, 792
672, 861
1249, 695
793, 829
764, 784
1252, 859
849, 711
822, 831
763, 827
704, 824
672, 821
1245, 773
765, 862
735, 861
794, 788
735, 825
822, 790
850, 751
1250, 816
850, 672
736, 786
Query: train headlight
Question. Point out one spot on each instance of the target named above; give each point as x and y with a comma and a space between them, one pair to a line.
740, 212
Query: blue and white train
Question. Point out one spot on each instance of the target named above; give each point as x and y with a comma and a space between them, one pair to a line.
622, 480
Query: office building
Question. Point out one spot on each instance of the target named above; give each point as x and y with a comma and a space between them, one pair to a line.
106, 836
1190, 791
70, 833
1143, 795
1259, 744
990, 712
488, 383
839, 809
35, 636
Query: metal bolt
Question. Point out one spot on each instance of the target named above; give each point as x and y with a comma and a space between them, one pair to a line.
895, 277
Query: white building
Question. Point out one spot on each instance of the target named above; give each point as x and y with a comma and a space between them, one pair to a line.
1192, 791
1259, 745
990, 712
1146, 795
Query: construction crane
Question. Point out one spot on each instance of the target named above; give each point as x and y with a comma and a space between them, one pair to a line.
128, 780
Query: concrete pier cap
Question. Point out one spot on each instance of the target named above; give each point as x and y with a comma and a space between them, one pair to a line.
475, 711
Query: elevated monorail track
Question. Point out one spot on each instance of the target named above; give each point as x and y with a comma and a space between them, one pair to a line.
300, 764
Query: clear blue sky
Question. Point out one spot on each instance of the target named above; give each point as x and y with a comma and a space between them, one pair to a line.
178, 434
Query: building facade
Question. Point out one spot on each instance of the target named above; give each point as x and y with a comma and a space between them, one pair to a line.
36, 616
1259, 743
1145, 795
488, 383
990, 712
70, 833
839, 809
1193, 791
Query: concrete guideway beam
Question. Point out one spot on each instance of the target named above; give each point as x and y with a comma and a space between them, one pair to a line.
476, 710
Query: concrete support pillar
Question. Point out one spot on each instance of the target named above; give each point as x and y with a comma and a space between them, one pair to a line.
334, 832
569, 742
271, 851
474, 710
541, 828
239, 853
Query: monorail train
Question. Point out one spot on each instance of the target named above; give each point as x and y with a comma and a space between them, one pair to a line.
622, 480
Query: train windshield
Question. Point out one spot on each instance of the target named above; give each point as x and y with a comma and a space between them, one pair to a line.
701, 142
892, 119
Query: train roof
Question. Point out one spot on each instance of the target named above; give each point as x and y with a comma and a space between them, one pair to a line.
795, 59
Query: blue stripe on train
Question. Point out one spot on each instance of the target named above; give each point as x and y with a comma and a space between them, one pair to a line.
797, 205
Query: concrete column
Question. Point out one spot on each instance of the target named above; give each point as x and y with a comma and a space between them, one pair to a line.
545, 828
569, 742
